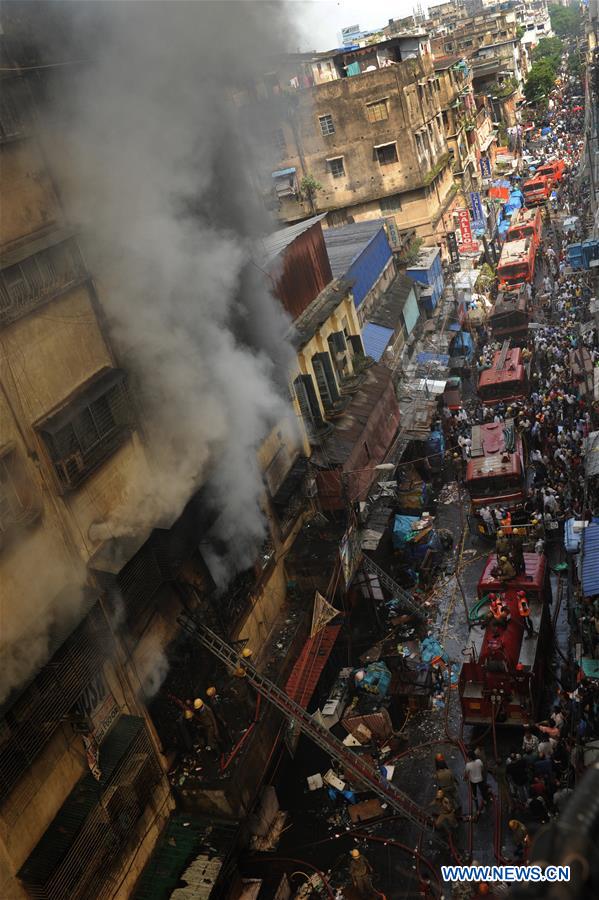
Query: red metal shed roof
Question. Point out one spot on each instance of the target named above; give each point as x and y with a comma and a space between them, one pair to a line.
310, 663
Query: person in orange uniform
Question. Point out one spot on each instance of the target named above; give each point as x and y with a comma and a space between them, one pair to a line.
524, 613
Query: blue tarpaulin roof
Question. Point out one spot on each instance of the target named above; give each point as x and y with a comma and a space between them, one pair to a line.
590, 559
280, 172
402, 527
375, 339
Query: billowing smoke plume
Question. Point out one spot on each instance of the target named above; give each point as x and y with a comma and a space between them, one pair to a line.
154, 163
143, 126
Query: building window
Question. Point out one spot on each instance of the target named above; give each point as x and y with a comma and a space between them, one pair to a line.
336, 167
326, 125
386, 154
325, 379
279, 142
377, 111
307, 401
82, 435
419, 145
29, 283
390, 204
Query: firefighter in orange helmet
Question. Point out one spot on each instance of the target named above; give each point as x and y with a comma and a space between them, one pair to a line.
524, 613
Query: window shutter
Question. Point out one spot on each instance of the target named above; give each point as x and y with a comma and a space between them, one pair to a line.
356, 342
338, 342
329, 374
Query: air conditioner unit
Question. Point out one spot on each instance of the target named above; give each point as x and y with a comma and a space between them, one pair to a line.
69, 467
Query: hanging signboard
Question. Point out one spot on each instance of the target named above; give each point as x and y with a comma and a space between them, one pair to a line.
477, 208
393, 233
350, 553
464, 226
452, 247
485, 167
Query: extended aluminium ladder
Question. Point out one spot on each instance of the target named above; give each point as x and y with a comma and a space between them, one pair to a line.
500, 364
392, 586
352, 764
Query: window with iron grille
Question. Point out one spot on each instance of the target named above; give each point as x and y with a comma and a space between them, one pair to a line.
386, 154
80, 438
377, 111
31, 282
390, 204
327, 125
32, 720
84, 846
336, 167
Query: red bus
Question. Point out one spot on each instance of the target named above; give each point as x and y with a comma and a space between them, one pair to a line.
495, 474
527, 223
506, 379
504, 677
509, 317
516, 264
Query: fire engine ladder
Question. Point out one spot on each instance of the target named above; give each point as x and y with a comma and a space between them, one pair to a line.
392, 586
352, 764
502, 356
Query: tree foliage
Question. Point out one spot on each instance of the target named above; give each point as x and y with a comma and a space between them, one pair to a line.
540, 80
565, 20
550, 49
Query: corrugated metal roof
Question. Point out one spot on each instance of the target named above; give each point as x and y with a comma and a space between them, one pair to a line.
345, 244
375, 339
591, 459
590, 559
363, 420
389, 309
310, 663
270, 247
425, 259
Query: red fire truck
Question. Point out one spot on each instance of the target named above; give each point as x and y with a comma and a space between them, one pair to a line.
516, 264
526, 223
506, 379
554, 169
510, 316
502, 680
537, 189
495, 474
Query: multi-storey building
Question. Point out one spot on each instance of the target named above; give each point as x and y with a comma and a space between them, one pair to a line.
83, 792
365, 138
90, 622
592, 114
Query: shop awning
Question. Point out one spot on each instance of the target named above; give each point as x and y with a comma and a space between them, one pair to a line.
312, 660
589, 560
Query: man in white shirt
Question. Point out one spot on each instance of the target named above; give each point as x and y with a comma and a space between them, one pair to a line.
474, 775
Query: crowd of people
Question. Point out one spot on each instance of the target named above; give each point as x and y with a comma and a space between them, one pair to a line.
532, 784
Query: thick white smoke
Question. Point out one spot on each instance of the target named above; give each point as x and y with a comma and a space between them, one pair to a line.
154, 164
